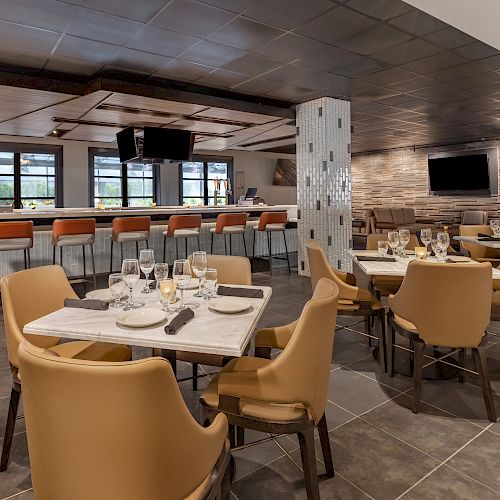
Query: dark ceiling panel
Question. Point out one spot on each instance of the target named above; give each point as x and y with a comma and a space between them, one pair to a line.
329, 58
184, 70
236, 6
252, 64
380, 9
289, 73
365, 66
289, 47
418, 23
450, 38
476, 50
87, 50
148, 8
407, 52
212, 54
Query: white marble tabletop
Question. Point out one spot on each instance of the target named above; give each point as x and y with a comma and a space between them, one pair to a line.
208, 332
477, 241
398, 268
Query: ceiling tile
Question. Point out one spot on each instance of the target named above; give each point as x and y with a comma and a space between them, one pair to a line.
289, 73
381, 9
180, 14
30, 58
335, 25
244, 34
418, 23
257, 86
388, 76
414, 84
435, 63
212, 54
102, 27
450, 38
161, 42
87, 50
287, 14
292, 92
237, 6
289, 47
46, 14
329, 58
223, 78
23, 37
74, 66
491, 62
184, 70
130, 10
252, 64
320, 81
407, 52
476, 50
362, 67
134, 60
373, 39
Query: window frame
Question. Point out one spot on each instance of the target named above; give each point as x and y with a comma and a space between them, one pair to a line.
17, 148
93, 152
206, 159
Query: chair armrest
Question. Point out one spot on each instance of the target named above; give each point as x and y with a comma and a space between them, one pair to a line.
275, 338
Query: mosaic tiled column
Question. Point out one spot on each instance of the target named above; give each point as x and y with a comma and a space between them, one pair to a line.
324, 179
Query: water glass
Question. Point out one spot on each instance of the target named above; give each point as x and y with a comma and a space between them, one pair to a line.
443, 240
199, 265
393, 240
166, 292
383, 248
160, 271
181, 273
116, 288
434, 245
495, 227
147, 262
404, 239
131, 274
210, 283
426, 236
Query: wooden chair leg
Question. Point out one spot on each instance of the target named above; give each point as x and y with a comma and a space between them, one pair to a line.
479, 355
263, 352
286, 251
25, 259
225, 489
15, 395
418, 364
93, 265
306, 441
111, 259
212, 243
244, 244
29, 258
368, 329
195, 376
325, 446
84, 263
231, 435
461, 362
392, 350
382, 347
164, 249
240, 436
53, 255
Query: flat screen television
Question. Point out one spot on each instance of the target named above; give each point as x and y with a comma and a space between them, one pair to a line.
459, 175
167, 144
127, 147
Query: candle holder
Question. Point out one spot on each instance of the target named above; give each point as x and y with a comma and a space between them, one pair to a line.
420, 253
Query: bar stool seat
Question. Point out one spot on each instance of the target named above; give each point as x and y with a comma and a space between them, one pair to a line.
271, 227
184, 233
68, 240
16, 244
230, 230
269, 223
132, 236
181, 226
229, 224
17, 235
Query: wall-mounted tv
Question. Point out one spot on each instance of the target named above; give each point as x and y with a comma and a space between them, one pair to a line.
127, 147
167, 144
285, 173
462, 174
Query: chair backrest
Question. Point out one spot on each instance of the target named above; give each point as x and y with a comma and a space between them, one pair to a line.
16, 229
64, 227
272, 218
224, 220
450, 304
192, 221
130, 224
118, 431
476, 251
373, 239
231, 270
474, 217
28, 295
301, 373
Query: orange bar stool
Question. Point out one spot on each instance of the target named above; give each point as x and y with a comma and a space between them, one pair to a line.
181, 226
129, 229
269, 223
229, 224
71, 233
17, 236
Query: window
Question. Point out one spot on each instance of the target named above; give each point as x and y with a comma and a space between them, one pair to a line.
115, 184
197, 180
30, 175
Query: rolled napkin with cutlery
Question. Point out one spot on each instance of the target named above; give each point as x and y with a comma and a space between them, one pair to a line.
152, 285
487, 237
179, 321
368, 258
250, 293
93, 304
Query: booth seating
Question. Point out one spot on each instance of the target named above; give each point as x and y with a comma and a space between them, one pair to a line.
229, 224
181, 226
17, 236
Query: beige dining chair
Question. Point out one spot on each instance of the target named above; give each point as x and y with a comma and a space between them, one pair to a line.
231, 270
286, 395
478, 252
443, 305
116, 431
353, 300
26, 296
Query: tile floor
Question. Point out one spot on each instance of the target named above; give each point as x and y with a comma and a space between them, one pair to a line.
381, 450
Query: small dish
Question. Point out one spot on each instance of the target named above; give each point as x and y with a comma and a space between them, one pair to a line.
229, 305
103, 294
140, 318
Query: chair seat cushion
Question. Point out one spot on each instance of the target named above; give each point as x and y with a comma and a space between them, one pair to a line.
16, 243
69, 240
230, 230
132, 236
403, 323
250, 408
185, 233
92, 351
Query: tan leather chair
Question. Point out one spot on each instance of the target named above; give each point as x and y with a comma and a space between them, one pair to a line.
26, 296
478, 252
286, 395
353, 301
231, 270
443, 305
119, 431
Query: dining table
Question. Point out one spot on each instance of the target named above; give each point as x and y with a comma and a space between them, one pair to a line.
208, 332
484, 242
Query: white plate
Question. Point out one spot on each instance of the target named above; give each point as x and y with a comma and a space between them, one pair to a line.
193, 284
229, 305
103, 294
138, 318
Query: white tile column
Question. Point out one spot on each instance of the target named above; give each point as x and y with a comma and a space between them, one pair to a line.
324, 180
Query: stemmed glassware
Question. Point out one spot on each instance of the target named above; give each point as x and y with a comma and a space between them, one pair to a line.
160, 271
116, 288
393, 240
426, 237
166, 292
199, 265
443, 242
181, 273
404, 239
383, 248
147, 262
131, 274
210, 283
495, 227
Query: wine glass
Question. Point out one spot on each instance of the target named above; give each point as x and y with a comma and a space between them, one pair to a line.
181, 273
404, 239
426, 236
393, 240
116, 288
131, 274
383, 248
495, 227
443, 240
147, 262
166, 292
210, 283
160, 271
199, 265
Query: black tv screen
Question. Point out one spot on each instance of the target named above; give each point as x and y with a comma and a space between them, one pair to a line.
167, 144
127, 148
459, 174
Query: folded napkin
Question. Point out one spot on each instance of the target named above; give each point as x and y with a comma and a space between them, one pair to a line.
368, 258
94, 304
486, 237
453, 261
179, 321
251, 293
152, 285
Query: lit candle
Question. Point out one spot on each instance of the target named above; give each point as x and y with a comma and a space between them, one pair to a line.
420, 253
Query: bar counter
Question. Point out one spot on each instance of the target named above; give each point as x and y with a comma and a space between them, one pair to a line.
41, 253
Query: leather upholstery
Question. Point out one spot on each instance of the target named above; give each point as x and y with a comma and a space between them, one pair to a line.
176, 222
478, 252
132, 236
130, 225
297, 378
449, 305
116, 431
474, 217
15, 229
409, 215
271, 218
16, 243
398, 217
225, 220
73, 227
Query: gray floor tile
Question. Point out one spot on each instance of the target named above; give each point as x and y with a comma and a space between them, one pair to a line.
17, 477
